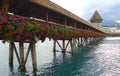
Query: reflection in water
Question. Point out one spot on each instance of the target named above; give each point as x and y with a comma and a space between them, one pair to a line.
99, 59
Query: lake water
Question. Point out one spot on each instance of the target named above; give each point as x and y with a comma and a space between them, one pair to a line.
99, 59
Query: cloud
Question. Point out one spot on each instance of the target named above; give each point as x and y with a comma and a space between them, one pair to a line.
118, 21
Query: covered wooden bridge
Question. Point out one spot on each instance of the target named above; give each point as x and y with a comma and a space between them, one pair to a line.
27, 21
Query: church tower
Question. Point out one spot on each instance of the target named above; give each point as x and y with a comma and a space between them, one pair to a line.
96, 19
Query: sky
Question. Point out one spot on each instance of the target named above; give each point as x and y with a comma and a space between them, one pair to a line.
108, 9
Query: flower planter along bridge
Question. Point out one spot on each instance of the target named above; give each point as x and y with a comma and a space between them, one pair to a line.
27, 21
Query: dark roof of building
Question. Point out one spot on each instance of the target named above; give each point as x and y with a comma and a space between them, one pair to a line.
96, 16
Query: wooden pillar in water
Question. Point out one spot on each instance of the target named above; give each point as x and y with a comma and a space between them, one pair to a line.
72, 47
11, 53
63, 50
86, 42
78, 42
21, 52
54, 46
81, 41
33, 55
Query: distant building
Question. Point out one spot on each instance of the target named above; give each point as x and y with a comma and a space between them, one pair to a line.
96, 20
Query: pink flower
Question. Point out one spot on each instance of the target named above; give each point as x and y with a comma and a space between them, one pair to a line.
22, 19
13, 19
45, 24
4, 21
74, 29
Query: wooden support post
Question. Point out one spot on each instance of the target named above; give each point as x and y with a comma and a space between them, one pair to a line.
21, 52
86, 42
78, 42
94, 39
74, 24
33, 55
63, 50
81, 41
81, 27
5, 6
11, 53
54, 46
47, 16
72, 47
65, 22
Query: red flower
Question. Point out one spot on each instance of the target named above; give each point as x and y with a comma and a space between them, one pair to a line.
11, 32
1, 27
